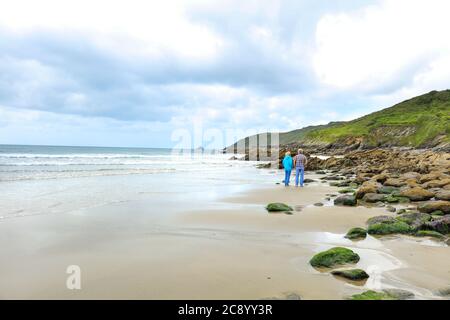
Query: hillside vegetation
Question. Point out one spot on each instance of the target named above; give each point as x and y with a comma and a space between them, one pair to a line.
420, 122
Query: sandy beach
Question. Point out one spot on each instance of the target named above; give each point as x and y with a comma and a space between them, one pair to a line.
225, 247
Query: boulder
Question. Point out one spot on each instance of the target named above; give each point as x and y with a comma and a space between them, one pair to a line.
346, 200
356, 233
399, 294
382, 177
443, 195
441, 225
372, 295
388, 190
429, 233
430, 176
431, 206
373, 197
416, 220
383, 225
436, 183
411, 175
334, 257
366, 187
380, 219
278, 207
309, 180
394, 182
417, 194
351, 274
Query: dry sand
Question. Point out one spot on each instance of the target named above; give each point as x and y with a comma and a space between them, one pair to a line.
240, 252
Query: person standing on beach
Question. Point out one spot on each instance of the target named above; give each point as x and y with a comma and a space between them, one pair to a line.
300, 163
287, 165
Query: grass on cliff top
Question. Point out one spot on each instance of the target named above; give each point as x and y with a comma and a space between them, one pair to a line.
412, 122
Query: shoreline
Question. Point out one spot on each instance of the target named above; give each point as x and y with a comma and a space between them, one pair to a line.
233, 249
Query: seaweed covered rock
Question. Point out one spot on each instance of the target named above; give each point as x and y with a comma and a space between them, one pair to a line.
334, 257
380, 219
383, 225
351, 274
278, 207
429, 233
372, 295
417, 194
431, 206
346, 200
416, 220
356, 233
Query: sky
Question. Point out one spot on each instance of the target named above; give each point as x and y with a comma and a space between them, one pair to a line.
169, 73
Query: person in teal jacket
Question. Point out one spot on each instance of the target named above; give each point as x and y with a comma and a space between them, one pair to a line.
287, 165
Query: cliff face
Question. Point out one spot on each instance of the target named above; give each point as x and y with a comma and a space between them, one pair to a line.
420, 122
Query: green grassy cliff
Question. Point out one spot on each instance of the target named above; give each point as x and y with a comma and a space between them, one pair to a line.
420, 122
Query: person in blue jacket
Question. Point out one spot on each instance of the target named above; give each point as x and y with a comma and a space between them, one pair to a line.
287, 165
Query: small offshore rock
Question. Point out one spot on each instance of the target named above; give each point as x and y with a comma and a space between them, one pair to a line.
334, 257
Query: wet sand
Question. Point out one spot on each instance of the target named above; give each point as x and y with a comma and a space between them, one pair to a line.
233, 249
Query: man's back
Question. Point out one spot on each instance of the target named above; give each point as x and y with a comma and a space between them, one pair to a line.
300, 161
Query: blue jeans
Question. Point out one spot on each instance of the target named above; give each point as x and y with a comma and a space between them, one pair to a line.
300, 171
287, 177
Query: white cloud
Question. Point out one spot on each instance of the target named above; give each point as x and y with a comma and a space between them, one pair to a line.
371, 48
137, 27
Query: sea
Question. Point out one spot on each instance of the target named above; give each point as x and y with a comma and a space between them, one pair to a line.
38, 180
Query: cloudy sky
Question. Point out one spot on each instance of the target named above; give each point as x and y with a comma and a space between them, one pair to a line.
137, 73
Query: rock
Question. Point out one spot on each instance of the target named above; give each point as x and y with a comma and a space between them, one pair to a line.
446, 187
416, 220
278, 207
431, 206
308, 180
345, 201
263, 165
393, 182
384, 225
417, 194
391, 209
347, 190
429, 233
292, 296
411, 175
320, 172
366, 187
388, 190
443, 195
382, 177
318, 204
441, 225
372, 295
356, 233
332, 178
436, 183
334, 257
373, 197
443, 292
380, 219
437, 213
399, 294
351, 274
430, 176
401, 211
